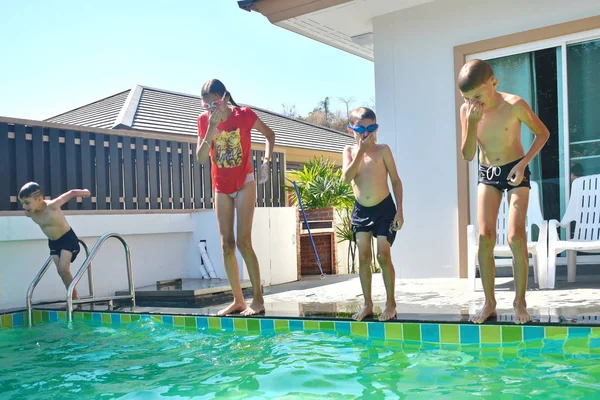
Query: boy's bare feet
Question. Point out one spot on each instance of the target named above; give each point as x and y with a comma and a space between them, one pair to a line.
488, 310
367, 311
232, 309
521, 314
389, 312
257, 307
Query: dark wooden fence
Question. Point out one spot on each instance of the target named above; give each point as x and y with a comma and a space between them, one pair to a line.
124, 170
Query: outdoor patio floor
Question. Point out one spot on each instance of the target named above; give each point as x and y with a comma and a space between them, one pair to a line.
441, 300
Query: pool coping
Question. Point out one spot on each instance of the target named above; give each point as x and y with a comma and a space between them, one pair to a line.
582, 339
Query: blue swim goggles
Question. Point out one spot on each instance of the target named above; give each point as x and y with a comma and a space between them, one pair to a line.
361, 129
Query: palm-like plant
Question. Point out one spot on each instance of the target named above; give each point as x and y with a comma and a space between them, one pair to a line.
320, 185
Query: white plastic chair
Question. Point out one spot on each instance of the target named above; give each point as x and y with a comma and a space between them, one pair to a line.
537, 249
584, 209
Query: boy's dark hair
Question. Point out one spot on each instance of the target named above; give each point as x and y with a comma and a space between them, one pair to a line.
473, 74
361, 113
30, 189
577, 169
215, 86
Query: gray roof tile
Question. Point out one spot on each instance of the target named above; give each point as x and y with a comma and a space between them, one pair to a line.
149, 109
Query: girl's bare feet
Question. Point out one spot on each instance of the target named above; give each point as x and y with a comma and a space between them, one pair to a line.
389, 312
256, 307
521, 314
367, 311
232, 309
488, 310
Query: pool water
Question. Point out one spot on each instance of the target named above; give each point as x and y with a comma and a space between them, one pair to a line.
146, 360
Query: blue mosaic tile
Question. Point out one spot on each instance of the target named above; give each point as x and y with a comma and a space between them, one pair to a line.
115, 318
53, 316
430, 333
469, 334
343, 327
96, 317
201, 323
227, 324
267, 325
533, 332
296, 325
579, 332
376, 330
18, 319
168, 319
595, 343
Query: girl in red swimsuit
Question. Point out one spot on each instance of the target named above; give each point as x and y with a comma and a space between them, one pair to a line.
224, 135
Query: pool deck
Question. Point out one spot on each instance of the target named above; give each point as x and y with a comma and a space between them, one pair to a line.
439, 300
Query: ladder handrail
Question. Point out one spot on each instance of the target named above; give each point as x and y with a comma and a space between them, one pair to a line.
86, 265
43, 271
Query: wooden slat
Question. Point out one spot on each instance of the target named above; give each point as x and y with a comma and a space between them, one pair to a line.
207, 183
6, 167
260, 189
101, 175
165, 175
153, 175
176, 169
71, 166
187, 182
140, 163
55, 165
37, 144
21, 156
197, 172
268, 185
128, 174
87, 160
275, 165
115, 173
282, 182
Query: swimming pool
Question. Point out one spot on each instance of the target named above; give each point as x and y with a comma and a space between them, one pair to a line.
124, 356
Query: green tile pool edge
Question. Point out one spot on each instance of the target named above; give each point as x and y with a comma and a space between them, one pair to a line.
415, 332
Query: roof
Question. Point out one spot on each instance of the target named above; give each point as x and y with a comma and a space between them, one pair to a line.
150, 109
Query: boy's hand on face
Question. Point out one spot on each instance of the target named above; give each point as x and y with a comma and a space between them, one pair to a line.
474, 110
365, 142
516, 174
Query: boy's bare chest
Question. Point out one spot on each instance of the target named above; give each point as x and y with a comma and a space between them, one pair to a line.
46, 218
498, 127
371, 164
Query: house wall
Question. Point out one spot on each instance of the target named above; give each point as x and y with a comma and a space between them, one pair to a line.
163, 246
415, 95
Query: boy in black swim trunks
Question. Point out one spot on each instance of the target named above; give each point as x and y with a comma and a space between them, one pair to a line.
367, 166
492, 120
62, 241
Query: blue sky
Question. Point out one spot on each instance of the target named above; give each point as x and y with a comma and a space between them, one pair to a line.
61, 54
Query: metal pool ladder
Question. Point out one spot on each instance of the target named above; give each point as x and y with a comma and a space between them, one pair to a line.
85, 267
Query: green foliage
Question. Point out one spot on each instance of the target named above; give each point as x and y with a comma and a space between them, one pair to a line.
320, 185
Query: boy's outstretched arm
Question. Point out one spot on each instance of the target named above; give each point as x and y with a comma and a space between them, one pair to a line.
65, 197
390, 165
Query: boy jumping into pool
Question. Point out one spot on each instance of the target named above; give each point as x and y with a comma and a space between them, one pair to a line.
62, 241
492, 120
367, 165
